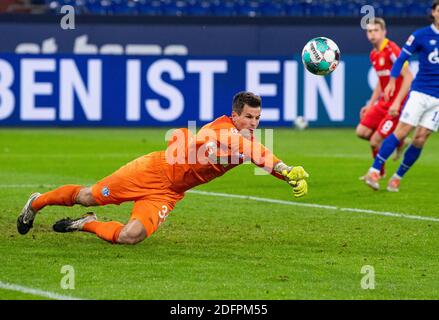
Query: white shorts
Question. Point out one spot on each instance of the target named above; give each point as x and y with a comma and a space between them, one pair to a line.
421, 110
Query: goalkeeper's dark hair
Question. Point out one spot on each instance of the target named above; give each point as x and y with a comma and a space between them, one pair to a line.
245, 98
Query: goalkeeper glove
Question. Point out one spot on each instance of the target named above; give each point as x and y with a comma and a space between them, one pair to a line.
295, 174
300, 188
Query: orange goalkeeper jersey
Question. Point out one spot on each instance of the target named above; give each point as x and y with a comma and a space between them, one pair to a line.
218, 147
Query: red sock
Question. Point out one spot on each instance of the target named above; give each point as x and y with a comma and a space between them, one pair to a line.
108, 231
374, 154
63, 196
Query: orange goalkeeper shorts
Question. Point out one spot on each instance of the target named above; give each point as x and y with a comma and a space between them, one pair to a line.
143, 181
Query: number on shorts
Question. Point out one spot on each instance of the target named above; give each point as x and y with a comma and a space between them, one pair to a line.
435, 116
163, 213
387, 126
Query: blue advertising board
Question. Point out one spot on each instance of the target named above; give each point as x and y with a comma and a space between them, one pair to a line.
108, 90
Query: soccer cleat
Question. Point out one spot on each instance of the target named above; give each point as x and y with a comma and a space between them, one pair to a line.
372, 179
362, 178
70, 225
26, 218
393, 184
400, 150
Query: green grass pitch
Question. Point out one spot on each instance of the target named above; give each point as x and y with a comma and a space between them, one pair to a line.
224, 248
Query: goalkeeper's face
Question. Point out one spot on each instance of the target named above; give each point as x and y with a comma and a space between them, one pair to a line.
248, 119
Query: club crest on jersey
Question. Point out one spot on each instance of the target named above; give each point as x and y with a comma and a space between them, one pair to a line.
105, 191
433, 42
433, 57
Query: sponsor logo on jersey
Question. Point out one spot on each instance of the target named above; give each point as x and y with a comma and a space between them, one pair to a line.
382, 61
410, 40
105, 191
433, 57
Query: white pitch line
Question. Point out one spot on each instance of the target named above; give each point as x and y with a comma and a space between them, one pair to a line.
36, 292
391, 214
301, 204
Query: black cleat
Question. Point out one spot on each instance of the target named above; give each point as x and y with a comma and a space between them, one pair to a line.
26, 218
70, 225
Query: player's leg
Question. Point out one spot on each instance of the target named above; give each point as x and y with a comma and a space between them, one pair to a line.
410, 118
387, 148
146, 217
108, 231
401, 147
114, 189
363, 132
136, 181
67, 195
375, 143
410, 156
385, 128
111, 231
133, 232
369, 124
428, 124
370, 121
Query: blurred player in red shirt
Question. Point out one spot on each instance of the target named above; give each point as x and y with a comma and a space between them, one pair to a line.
157, 181
379, 117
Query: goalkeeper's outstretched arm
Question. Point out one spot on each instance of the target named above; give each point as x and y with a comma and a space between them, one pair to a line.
295, 176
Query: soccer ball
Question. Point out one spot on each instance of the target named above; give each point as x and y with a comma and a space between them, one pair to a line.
300, 123
320, 56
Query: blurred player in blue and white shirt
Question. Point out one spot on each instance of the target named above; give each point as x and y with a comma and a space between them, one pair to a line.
422, 108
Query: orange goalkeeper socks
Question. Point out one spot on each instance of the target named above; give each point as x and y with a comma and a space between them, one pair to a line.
105, 230
63, 196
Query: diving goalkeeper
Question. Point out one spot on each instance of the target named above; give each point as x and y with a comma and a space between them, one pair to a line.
157, 181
